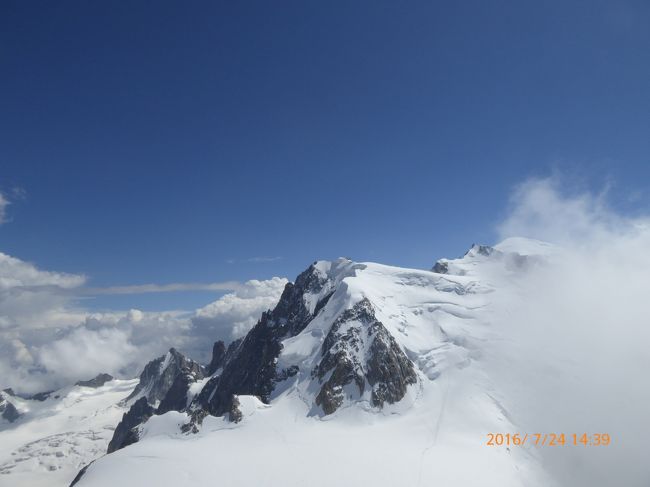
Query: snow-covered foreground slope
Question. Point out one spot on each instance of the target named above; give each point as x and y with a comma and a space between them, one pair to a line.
363, 373
52, 439
437, 441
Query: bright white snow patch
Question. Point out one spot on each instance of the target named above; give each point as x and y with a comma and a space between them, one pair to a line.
55, 438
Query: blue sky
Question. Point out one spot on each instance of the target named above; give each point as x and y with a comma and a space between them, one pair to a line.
164, 142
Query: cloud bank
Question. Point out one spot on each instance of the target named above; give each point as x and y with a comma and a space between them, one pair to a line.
234, 314
47, 340
574, 358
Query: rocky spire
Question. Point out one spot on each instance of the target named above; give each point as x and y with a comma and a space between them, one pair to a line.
160, 374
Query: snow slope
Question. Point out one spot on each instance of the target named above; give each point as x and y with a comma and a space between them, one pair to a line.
435, 443
434, 435
54, 438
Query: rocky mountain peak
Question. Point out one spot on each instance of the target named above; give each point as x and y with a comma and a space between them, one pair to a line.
477, 249
250, 368
7, 410
126, 432
360, 351
159, 376
359, 358
164, 385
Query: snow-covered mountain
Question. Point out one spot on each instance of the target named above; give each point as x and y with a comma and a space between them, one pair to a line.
362, 373
57, 433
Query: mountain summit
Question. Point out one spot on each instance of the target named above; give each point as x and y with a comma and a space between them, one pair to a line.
348, 345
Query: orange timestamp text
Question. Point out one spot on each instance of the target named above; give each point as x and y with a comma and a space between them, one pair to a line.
548, 439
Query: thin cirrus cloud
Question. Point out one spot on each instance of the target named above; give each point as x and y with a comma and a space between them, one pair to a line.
255, 260
85, 291
16, 193
161, 288
4, 203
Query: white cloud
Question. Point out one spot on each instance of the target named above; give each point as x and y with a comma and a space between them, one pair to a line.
85, 353
540, 210
47, 340
234, 314
30, 297
22, 355
577, 333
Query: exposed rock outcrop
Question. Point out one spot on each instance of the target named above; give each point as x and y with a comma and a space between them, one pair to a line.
218, 356
252, 368
176, 398
127, 432
40, 396
235, 415
163, 387
359, 350
161, 374
7, 410
80, 474
96, 382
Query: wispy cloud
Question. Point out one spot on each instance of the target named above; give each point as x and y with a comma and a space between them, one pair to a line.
4, 203
255, 260
48, 339
7, 198
160, 288
59, 290
576, 329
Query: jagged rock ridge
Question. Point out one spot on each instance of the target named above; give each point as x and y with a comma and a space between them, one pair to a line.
126, 433
359, 349
252, 368
161, 374
164, 385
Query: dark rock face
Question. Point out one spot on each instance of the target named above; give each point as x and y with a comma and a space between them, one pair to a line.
389, 370
98, 381
40, 396
126, 432
251, 370
176, 397
359, 349
7, 410
286, 373
196, 419
231, 351
485, 250
338, 352
235, 414
218, 356
165, 382
160, 375
80, 474
441, 267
